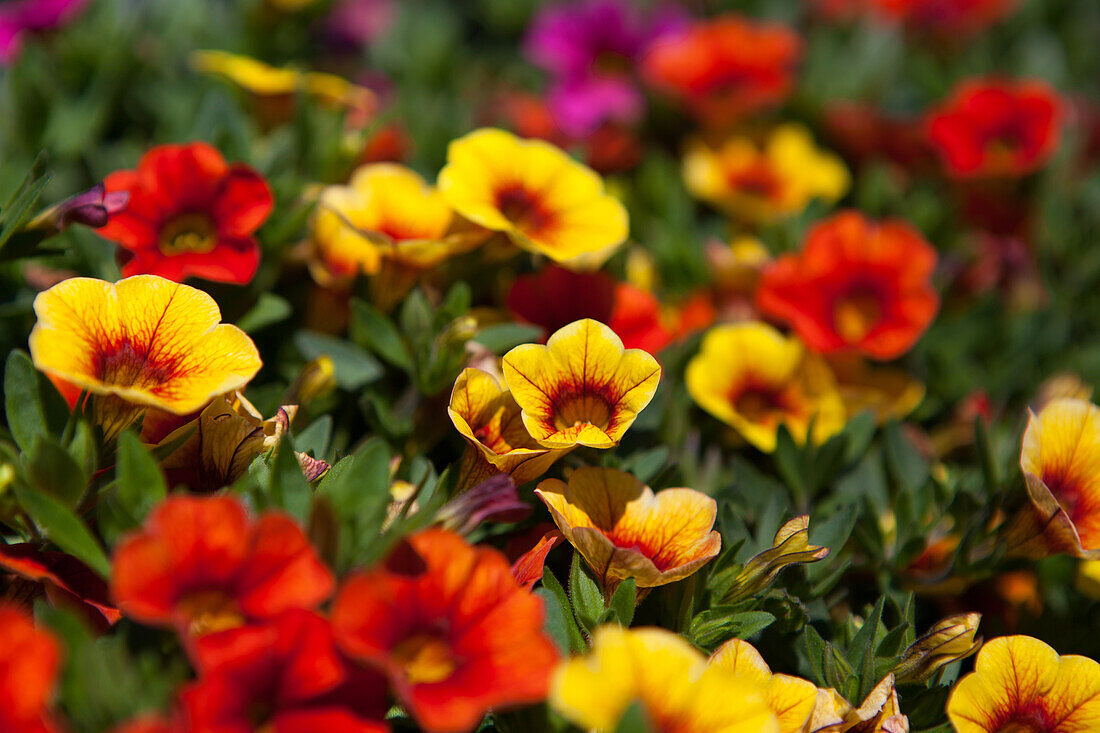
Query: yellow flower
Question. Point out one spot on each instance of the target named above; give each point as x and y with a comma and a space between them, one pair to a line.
623, 530
880, 711
792, 699
489, 419
888, 392
1061, 464
582, 387
141, 342
769, 182
1021, 685
671, 681
533, 192
752, 378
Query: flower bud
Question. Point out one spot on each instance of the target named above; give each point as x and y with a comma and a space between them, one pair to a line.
791, 545
954, 638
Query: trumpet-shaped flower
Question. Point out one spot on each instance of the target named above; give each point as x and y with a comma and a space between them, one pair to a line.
763, 183
489, 419
623, 530
671, 681
533, 192
792, 699
582, 387
752, 378
29, 662
857, 285
190, 214
202, 564
996, 128
61, 579
450, 627
141, 342
1020, 684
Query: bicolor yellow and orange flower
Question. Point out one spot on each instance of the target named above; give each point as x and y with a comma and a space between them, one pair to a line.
143, 342
764, 182
533, 192
1060, 459
670, 680
1021, 684
582, 387
623, 529
754, 379
792, 699
489, 419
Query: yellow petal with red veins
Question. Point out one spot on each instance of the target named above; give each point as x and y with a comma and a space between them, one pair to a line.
147, 340
792, 699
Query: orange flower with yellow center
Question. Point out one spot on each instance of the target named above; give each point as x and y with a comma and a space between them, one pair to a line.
141, 342
624, 530
533, 192
582, 387
671, 681
489, 419
752, 378
1021, 685
792, 699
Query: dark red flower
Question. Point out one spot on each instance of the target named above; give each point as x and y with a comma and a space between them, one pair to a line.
201, 564
857, 285
450, 627
190, 214
555, 297
945, 16
29, 661
61, 578
995, 128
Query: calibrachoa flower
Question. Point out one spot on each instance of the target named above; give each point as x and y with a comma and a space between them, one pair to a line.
1060, 459
997, 128
857, 285
762, 183
888, 392
582, 387
283, 675
946, 16
139, 343
637, 319
450, 627
489, 419
556, 296
190, 214
792, 699
29, 663
752, 378
623, 530
676, 688
533, 192
725, 68
1021, 684
202, 564
62, 579
92, 208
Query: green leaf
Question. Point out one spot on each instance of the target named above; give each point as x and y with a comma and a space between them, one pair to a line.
268, 310
32, 404
83, 448
559, 617
500, 337
289, 489
63, 528
51, 469
315, 439
19, 208
353, 366
722, 622
634, 720
371, 329
139, 482
645, 465
585, 593
902, 460
861, 652
624, 600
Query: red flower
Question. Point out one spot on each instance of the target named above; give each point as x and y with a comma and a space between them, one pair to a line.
284, 676
29, 661
450, 627
61, 578
203, 565
636, 319
857, 285
725, 68
946, 16
555, 297
992, 128
189, 214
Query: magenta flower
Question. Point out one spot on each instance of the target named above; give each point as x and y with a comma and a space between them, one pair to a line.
590, 48
18, 17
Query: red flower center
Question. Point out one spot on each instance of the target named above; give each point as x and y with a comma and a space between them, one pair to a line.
761, 404
125, 364
208, 611
425, 659
522, 208
855, 315
190, 232
1026, 722
574, 409
759, 180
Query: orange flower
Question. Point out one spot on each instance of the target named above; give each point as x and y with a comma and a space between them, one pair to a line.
450, 627
726, 68
623, 530
29, 661
201, 564
141, 342
857, 285
582, 387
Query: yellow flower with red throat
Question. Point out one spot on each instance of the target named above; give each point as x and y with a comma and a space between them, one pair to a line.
792, 699
765, 182
532, 191
1061, 464
667, 677
1021, 685
624, 530
752, 378
139, 343
582, 387
489, 419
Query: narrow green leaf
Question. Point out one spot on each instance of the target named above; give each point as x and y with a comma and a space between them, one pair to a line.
139, 482
268, 310
353, 366
500, 337
557, 603
371, 329
289, 489
585, 593
634, 720
624, 600
63, 528
51, 469
31, 402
